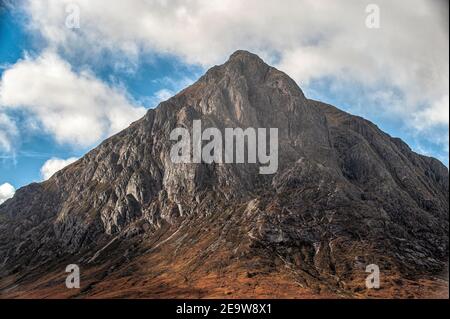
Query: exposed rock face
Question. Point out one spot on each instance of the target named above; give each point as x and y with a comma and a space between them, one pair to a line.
345, 195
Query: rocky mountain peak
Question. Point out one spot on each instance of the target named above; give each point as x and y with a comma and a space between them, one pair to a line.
245, 91
244, 55
345, 195
246, 62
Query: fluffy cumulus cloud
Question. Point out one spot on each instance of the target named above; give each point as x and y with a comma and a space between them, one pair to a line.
75, 107
6, 191
8, 132
437, 114
308, 39
53, 165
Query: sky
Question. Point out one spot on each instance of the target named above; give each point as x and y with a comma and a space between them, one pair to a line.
74, 72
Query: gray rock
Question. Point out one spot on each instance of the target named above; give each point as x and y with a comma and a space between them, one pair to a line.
344, 189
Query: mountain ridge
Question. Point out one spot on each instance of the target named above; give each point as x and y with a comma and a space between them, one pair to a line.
346, 194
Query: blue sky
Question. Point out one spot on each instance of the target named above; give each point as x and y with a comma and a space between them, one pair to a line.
135, 58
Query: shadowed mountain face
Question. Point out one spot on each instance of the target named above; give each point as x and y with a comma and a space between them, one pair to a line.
345, 195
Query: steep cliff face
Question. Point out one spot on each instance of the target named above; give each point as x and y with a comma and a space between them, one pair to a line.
345, 195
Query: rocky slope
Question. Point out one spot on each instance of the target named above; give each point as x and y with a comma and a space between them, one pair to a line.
345, 195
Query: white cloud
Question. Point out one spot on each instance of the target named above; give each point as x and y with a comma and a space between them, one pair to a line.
163, 94
75, 107
8, 132
6, 191
55, 164
435, 115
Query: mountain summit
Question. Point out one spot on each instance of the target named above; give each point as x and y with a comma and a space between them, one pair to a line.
345, 196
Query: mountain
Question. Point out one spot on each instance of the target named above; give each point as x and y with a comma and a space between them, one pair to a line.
345, 196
